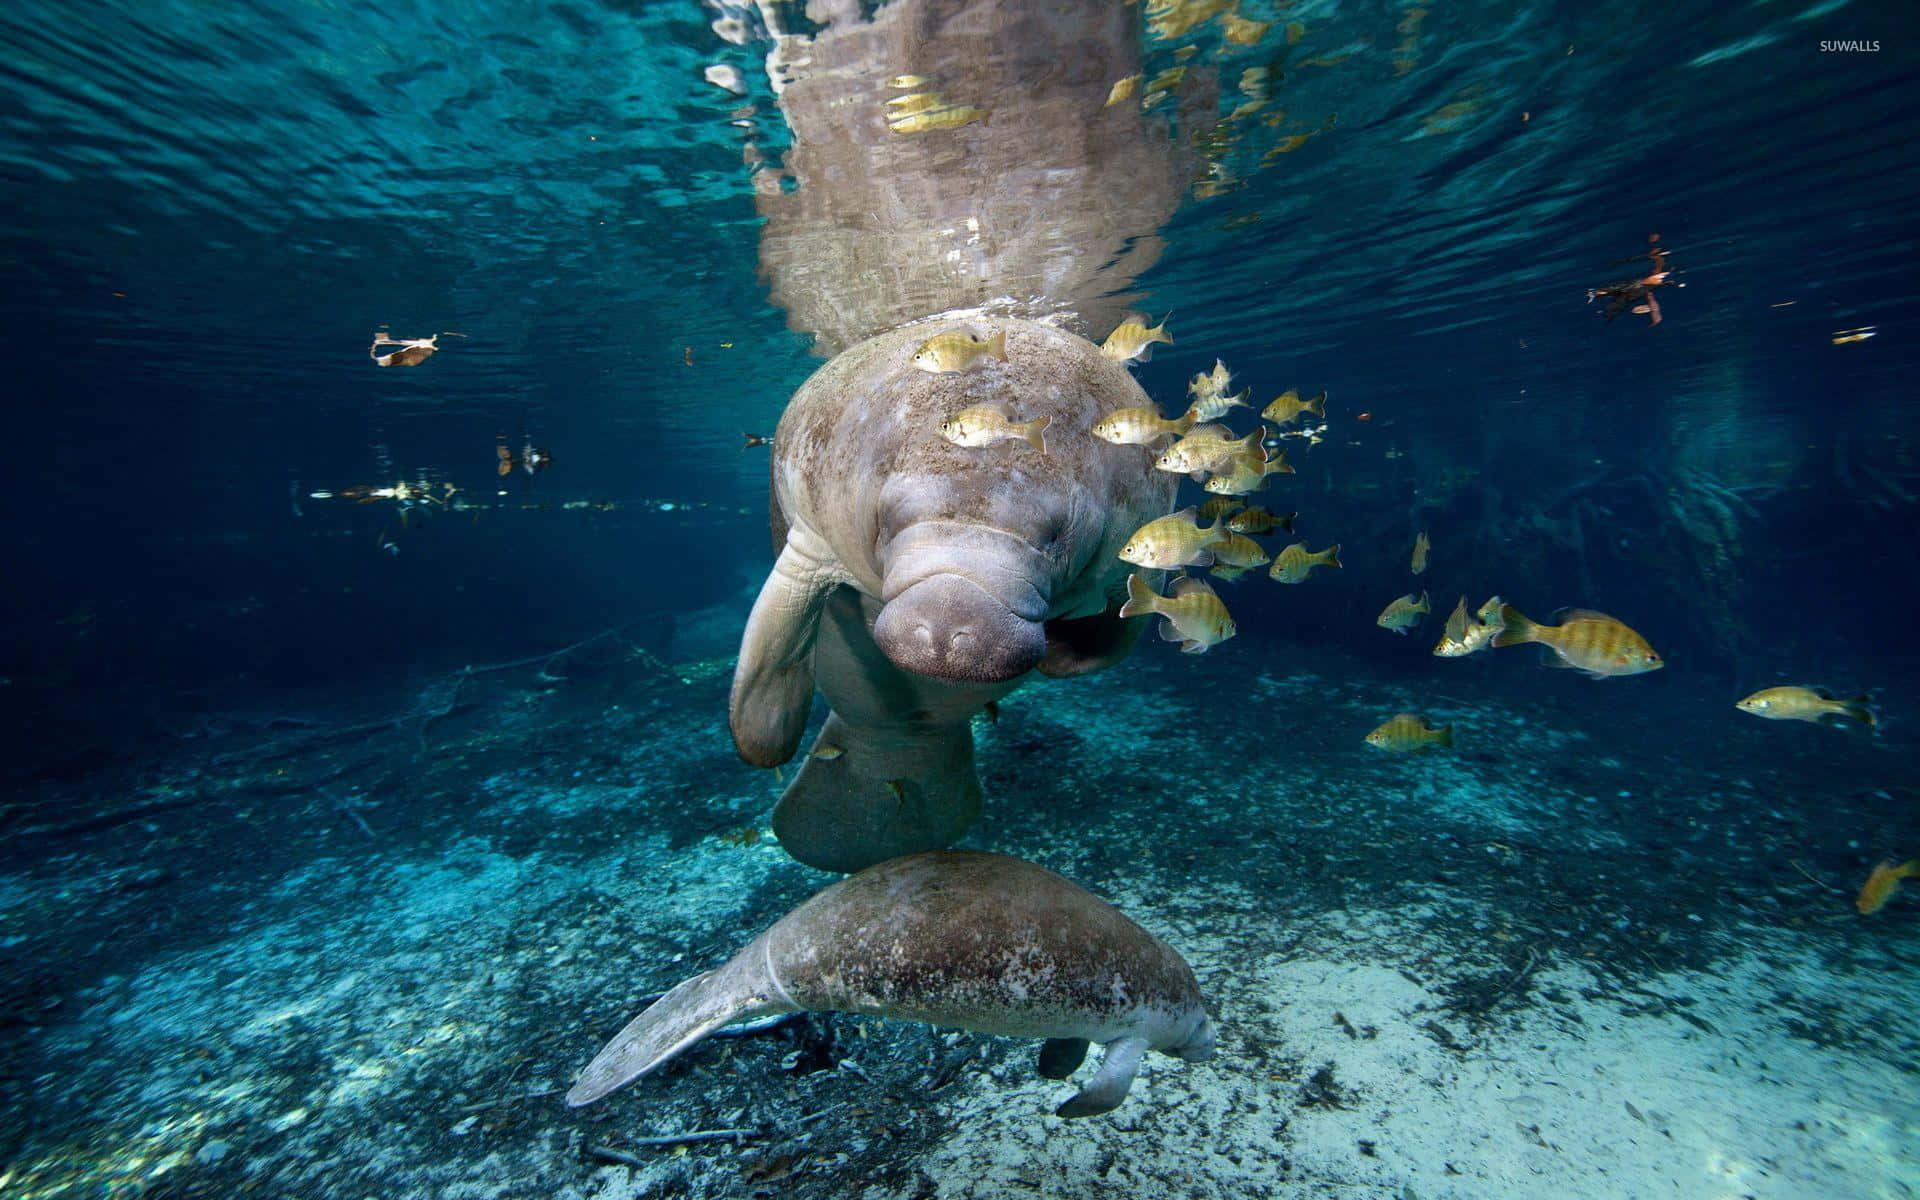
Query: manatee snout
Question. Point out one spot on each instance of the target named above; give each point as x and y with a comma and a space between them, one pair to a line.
951, 628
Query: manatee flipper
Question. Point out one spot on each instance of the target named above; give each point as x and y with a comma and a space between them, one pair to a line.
1061, 1057
773, 681
670, 1024
1109, 1085
1083, 645
892, 771
887, 792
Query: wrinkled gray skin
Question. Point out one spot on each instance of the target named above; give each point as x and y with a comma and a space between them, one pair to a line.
958, 938
917, 579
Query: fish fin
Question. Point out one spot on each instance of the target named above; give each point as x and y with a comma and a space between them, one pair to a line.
1854, 708
1425, 605
1333, 556
1168, 632
1141, 598
1197, 476
1909, 869
1277, 465
1187, 585
1035, 431
1515, 629
1444, 736
1119, 1063
1061, 1057
1584, 614
1146, 353
1190, 513
1318, 405
1193, 647
1286, 522
997, 344
677, 1020
1201, 558
1212, 429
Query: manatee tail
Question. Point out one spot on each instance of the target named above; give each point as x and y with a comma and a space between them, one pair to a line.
890, 792
677, 1020
1035, 431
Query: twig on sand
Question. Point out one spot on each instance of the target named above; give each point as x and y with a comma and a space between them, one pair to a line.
1522, 973
497, 1101
352, 813
675, 1139
811, 1117
1796, 866
736, 1136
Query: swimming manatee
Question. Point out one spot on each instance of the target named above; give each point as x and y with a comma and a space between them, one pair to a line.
960, 938
917, 579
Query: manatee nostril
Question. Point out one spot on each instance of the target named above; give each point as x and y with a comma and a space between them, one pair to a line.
959, 641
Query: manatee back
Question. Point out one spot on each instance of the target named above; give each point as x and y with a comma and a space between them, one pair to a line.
981, 941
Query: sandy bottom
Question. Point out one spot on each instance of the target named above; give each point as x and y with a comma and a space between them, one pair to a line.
1579, 956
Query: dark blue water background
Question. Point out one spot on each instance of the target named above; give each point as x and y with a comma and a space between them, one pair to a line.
208, 209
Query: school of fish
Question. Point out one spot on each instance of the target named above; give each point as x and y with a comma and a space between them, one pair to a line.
1219, 535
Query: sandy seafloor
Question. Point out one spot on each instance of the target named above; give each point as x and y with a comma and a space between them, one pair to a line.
1604, 948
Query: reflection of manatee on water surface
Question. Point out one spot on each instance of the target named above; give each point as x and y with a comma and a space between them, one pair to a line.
958, 938
917, 580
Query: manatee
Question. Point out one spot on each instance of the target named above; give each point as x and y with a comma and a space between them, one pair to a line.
918, 580
951, 937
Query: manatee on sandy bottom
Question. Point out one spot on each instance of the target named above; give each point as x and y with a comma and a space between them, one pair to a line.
918, 579
980, 941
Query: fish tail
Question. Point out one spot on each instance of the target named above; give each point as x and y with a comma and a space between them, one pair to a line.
1909, 869
1035, 431
1860, 708
1183, 424
1515, 629
1423, 606
1277, 465
1318, 405
669, 1025
997, 344
1332, 556
1444, 736
1141, 598
1286, 522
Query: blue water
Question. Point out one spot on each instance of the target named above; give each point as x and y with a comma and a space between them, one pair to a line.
241, 701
